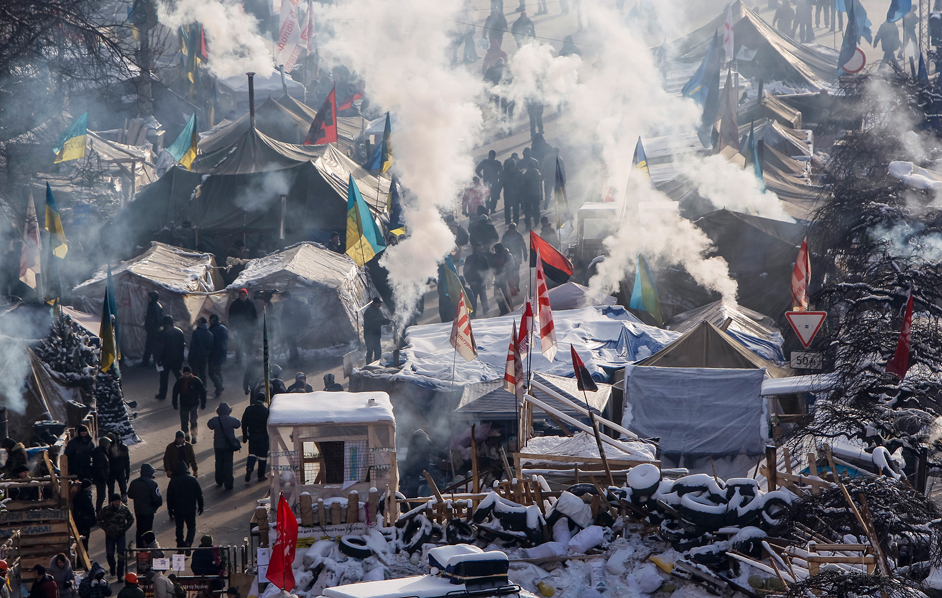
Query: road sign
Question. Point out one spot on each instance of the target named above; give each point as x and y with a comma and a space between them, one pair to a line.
806, 324
807, 361
856, 63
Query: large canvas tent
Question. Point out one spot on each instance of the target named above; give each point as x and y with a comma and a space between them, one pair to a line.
758, 332
181, 277
330, 284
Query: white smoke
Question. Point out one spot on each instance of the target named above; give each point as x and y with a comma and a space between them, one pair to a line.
728, 186
400, 50
910, 240
235, 44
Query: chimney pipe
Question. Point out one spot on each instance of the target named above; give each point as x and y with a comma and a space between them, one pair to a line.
251, 77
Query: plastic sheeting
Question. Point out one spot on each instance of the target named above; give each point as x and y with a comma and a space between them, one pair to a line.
915, 176
176, 274
489, 401
754, 330
329, 284
695, 411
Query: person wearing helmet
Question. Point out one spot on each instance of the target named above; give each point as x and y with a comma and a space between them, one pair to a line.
300, 384
131, 588
331, 385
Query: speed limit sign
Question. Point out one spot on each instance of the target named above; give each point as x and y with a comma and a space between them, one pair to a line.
807, 361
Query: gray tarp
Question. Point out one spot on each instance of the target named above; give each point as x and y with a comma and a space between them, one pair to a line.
695, 411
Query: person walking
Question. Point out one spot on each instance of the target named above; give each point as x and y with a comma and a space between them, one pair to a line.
100, 470
476, 273
489, 169
515, 244
190, 393
83, 510
243, 320
184, 503
153, 319
225, 443
506, 278
300, 384
119, 465
510, 184
523, 30
548, 232
804, 21
171, 346
783, 18
217, 358
79, 453
888, 35
495, 26
535, 112
531, 194
178, 452
202, 344
115, 520
373, 322
255, 432
145, 494
910, 20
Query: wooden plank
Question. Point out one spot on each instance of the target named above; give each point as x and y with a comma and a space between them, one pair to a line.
771, 467
82, 556
433, 487
582, 460
842, 560
36, 529
788, 460
45, 540
20, 517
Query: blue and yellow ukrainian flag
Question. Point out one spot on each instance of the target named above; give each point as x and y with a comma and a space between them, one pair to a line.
108, 331
382, 158
113, 306
183, 149
364, 239
449, 280
644, 294
397, 224
640, 159
54, 225
72, 144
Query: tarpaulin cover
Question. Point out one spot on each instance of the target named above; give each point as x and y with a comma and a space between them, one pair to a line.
271, 118
757, 332
694, 411
329, 284
174, 273
572, 295
489, 401
253, 151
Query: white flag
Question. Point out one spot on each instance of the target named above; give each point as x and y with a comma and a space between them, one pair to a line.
31, 257
289, 31
728, 43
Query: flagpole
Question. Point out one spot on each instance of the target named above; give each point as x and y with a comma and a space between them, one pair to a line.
598, 438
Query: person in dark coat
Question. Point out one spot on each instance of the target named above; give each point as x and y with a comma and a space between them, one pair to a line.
515, 244
180, 452
254, 376
274, 380
461, 235
489, 170
888, 35
569, 47
44, 585
331, 385
94, 585
300, 384
523, 30
804, 23
535, 112
205, 560
224, 428
153, 320
184, 503
202, 344
783, 19
482, 231
119, 465
146, 497
495, 26
115, 520
417, 461
217, 358
83, 510
79, 453
506, 278
255, 432
190, 393
531, 194
476, 272
373, 322
510, 184
243, 320
548, 232
131, 588
334, 243
16, 456
169, 352
295, 316
100, 470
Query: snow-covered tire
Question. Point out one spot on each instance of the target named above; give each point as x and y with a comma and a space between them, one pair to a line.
417, 533
459, 532
644, 479
355, 547
775, 512
702, 512
512, 520
581, 489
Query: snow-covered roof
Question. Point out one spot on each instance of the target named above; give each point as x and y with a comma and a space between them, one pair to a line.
172, 268
305, 263
316, 408
425, 586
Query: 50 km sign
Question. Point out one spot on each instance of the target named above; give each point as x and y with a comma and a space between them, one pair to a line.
807, 361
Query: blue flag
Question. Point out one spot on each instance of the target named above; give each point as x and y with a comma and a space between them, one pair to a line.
698, 85
849, 46
923, 74
898, 10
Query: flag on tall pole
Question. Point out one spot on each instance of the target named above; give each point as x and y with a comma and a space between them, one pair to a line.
397, 222
899, 365
31, 255
382, 158
450, 283
547, 328
289, 31
729, 129
72, 144
698, 86
801, 274
644, 295
462, 338
106, 331
525, 337
729, 45
280, 564
583, 377
60, 246
556, 265
898, 9
324, 126
112, 299
183, 149
364, 239
640, 159
851, 39
514, 381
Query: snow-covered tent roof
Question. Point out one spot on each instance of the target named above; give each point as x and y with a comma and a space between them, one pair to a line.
572, 295
181, 277
489, 401
329, 283
758, 332
318, 408
706, 346
265, 85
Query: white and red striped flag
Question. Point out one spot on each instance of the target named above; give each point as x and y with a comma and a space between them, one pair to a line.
547, 328
525, 336
728, 44
513, 372
289, 31
800, 277
462, 339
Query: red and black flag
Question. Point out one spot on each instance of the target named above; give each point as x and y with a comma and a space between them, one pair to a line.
582, 373
555, 264
324, 128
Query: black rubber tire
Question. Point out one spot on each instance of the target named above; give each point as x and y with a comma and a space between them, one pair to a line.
459, 532
581, 489
355, 547
417, 533
775, 512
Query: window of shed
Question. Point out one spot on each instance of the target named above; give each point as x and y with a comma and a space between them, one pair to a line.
334, 462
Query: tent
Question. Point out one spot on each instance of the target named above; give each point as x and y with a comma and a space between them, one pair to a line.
761, 255
758, 332
271, 118
330, 284
489, 401
181, 277
349, 128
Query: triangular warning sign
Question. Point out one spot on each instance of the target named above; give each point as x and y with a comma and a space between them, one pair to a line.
806, 324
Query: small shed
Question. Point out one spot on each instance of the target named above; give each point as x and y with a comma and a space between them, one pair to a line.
329, 444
